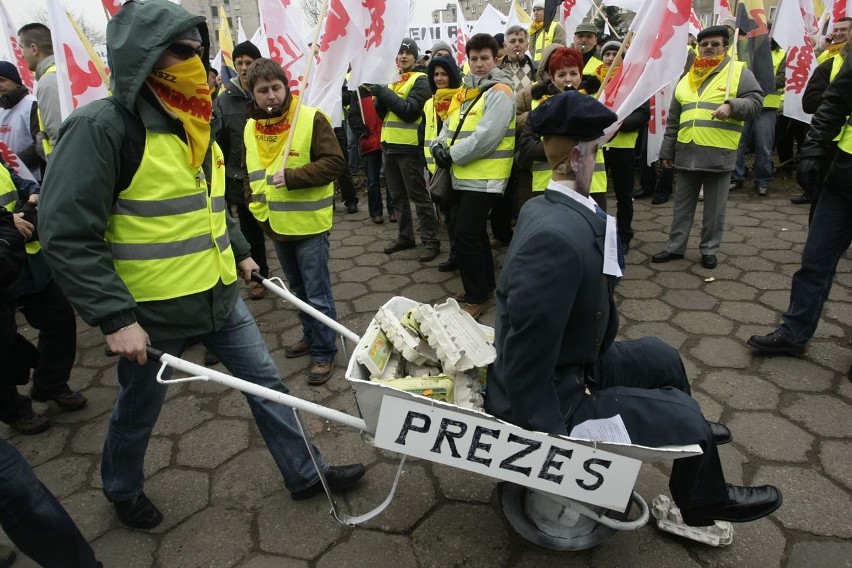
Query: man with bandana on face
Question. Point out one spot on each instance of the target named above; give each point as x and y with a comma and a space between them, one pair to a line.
702, 135
144, 247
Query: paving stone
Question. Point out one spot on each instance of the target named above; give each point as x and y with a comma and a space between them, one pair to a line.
445, 537
158, 456
181, 414
246, 481
266, 561
812, 504
767, 280
830, 354
740, 390
746, 312
125, 548
770, 437
731, 291
703, 322
667, 333
348, 290
645, 310
689, 299
178, 494
641, 550
368, 548
821, 414
795, 374
89, 438
415, 496
677, 280
64, 475
537, 558
721, 352
390, 282
91, 512
820, 555
712, 410
213, 537
234, 405
834, 457
43, 447
746, 263
734, 462
639, 289
212, 443
300, 529
460, 485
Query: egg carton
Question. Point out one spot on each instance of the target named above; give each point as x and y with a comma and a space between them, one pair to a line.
412, 348
374, 351
460, 343
670, 520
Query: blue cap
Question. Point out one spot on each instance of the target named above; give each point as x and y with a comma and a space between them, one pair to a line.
572, 114
9, 71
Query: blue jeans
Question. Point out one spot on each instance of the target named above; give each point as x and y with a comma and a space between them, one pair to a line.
373, 169
829, 236
34, 519
240, 347
761, 131
305, 264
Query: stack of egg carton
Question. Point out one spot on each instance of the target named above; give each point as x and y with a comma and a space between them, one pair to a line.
438, 351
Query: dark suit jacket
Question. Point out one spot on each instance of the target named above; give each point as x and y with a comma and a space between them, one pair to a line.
555, 314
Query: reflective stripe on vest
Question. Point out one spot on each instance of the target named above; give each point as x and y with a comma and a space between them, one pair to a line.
430, 132
296, 212
773, 99
495, 166
45, 142
542, 40
541, 171
696, 123
167, 233
394, 129
599, 177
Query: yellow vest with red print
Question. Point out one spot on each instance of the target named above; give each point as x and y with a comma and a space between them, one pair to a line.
291, 212
167, 231
697, 125
773, 99
394, 129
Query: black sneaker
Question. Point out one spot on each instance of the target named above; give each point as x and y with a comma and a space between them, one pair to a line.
138, 513
339, 478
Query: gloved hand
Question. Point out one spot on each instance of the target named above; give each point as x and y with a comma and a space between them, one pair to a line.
590, 84
375, 88
809, 173
442, 156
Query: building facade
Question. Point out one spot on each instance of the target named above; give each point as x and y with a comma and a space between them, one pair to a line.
245, 10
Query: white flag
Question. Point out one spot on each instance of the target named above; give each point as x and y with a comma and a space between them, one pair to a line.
572, 14
790, 32
461, 36
657, 124
632, 5
655, 58
492, 21
721, 9
9, 48
259, 40
80, 74
14, 162
241, 33
384, 23
517, 16
281, 22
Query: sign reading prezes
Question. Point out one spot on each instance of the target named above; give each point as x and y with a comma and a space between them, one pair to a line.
506, 452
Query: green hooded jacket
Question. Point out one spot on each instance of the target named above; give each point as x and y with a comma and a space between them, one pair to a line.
82, 178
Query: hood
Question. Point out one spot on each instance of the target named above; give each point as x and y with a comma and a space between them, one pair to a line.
449, 64
137, 36
496, 75
234, 88
545, 58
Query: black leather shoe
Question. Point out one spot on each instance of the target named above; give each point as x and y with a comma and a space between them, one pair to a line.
744, 504
397, 246
430, 254
800, 200
708, 260
138, 513
448, 265
665, 256
659, 198
339, 478
721, 434
775, 343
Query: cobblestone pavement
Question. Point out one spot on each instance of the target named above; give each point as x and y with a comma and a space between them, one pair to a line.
225, 504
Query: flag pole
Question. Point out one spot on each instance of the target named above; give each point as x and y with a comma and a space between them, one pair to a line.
618, 59
302, 82
731, 63
599, 12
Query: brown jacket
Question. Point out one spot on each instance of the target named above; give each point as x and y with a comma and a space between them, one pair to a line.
326, 165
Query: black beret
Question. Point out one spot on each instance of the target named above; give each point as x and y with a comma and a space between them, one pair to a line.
571, 114
713, 31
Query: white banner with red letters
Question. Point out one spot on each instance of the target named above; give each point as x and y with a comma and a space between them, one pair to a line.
655, 58
281, 22
384, 24
573, 12
14, 162
10, 50
790, 32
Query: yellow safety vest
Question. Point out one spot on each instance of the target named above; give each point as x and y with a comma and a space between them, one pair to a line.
167, 233
395, 130
495, 166
773, 99
592, 66
430, 132
542, 40
836, 63
291, 212
599, 177
541, 171
623, 140
45, 141
696, 123
8, 191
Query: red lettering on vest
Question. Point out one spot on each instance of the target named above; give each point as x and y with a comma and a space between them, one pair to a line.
197, 106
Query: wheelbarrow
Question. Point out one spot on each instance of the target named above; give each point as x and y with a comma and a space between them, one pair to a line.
557, 492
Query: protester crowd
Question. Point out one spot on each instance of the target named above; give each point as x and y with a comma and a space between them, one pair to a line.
146, 247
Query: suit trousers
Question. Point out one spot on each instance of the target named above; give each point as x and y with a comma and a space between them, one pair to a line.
643, 381
621, 165
404, 175
472, 246
687, 186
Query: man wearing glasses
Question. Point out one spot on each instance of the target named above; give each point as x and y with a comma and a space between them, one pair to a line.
145, 249
710, 105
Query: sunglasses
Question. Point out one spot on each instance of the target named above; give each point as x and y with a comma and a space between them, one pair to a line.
710, 44
184, 51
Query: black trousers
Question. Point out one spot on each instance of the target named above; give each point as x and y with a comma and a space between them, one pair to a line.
347, 188
504, 209
644, 382
472, 246
620, 165
249, 227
